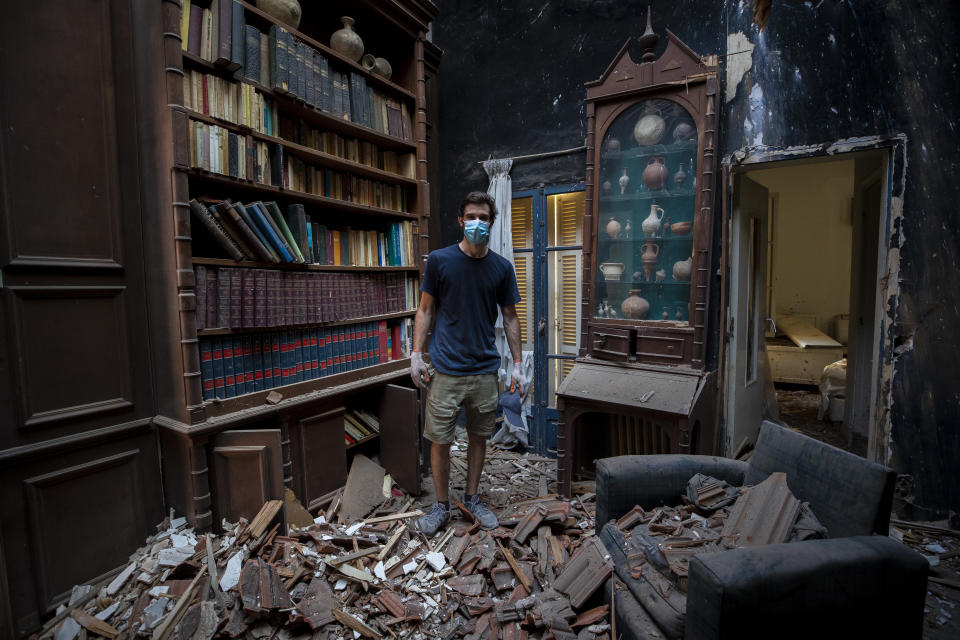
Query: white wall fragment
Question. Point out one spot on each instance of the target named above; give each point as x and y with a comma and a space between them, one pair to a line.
121, 579
231, 575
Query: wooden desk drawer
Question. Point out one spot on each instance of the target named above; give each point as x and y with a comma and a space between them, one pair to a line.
663, 347
611, 343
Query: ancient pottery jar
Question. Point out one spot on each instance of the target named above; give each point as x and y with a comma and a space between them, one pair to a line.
634, 307
368, 61
382, 68
651, 226
682, 269
682, 131
346, 40
611, 270
681, 228
624, 181
660, 275
613, 145
607, 187
679, 315
637, 276
286, 11
679, 177
627, 230
613, 228
648, 259
656, 174
650, 127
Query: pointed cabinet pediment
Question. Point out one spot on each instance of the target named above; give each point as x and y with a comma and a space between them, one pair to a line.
678, 62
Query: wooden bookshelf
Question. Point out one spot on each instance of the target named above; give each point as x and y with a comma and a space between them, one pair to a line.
337, 323
296, 428
225, 262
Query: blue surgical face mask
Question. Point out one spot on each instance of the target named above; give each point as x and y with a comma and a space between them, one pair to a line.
476, 231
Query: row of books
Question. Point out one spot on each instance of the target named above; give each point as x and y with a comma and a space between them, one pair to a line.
219, 150
260, 231
352, 149
358, 425
220, 98
280, 62
235, 365
239, 298
320, 181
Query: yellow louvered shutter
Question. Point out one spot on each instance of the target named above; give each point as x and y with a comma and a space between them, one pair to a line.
564, 229
569, 300
521, 226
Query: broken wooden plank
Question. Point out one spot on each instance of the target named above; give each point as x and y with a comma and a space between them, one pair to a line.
521, 576
356, 574
394, 516
348, 620
166, 627
392, 541
93, 624
350, 557
262, 520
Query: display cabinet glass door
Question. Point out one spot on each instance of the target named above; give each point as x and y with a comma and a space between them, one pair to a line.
647, 197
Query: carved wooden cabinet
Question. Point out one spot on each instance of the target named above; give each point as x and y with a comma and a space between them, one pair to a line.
651, 145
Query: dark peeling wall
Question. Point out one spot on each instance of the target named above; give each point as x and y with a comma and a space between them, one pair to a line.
511, 83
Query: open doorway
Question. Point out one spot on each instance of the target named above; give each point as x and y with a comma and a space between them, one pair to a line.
807, 255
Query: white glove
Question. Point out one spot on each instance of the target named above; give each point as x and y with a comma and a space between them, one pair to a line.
418, 370
518, 379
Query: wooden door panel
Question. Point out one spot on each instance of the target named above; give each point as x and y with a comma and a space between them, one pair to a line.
319, 453
247, 471
400, 436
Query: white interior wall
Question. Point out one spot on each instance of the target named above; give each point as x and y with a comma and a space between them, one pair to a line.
812, 238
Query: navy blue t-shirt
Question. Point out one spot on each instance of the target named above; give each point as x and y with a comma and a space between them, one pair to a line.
467, 292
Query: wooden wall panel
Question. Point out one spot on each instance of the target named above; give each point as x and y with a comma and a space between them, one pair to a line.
319, 455
246, 472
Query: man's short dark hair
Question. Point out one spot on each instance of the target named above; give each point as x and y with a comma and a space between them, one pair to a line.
480, 197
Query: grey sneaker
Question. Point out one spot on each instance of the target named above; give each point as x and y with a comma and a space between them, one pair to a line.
480, 511
434, 520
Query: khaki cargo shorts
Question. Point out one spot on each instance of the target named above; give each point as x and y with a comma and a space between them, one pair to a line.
478, 395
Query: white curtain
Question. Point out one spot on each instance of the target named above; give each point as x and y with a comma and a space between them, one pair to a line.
501, 241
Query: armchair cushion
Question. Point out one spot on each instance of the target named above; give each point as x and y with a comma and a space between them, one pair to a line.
863, 586
850, 495
650, 481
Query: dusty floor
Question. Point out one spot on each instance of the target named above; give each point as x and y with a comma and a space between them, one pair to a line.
799, 405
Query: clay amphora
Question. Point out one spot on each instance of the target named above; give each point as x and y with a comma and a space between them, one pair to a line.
651, 226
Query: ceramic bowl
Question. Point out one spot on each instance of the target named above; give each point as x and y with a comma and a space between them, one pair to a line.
681, 228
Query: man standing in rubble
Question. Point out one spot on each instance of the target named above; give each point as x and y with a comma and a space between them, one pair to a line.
463, 285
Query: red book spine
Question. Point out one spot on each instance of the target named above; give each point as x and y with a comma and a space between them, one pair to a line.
397, 351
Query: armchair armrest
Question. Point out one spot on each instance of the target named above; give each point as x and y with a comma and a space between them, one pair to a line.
841, 587
625, 481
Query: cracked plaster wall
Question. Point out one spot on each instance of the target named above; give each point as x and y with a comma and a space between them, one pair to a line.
511, 83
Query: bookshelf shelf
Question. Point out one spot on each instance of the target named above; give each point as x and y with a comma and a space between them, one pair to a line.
294, 108
330, 53
310, 390
224, 262
363, 441
309, 154
338, 323
301, 196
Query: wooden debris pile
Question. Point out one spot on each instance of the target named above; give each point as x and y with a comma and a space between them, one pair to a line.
535, 576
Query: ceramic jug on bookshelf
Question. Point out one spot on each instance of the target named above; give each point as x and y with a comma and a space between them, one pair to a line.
286, 11
346, 40
651, 225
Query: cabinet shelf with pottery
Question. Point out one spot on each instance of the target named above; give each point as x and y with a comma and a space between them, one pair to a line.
612, 199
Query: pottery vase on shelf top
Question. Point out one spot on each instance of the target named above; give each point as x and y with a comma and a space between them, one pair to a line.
679, 177
368, 61
648, 259
682, 269
346, 40
655, 175
286, 11
383, 68
682, 132
650, 127
624, 181
613, 228
634, 307
652, 224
